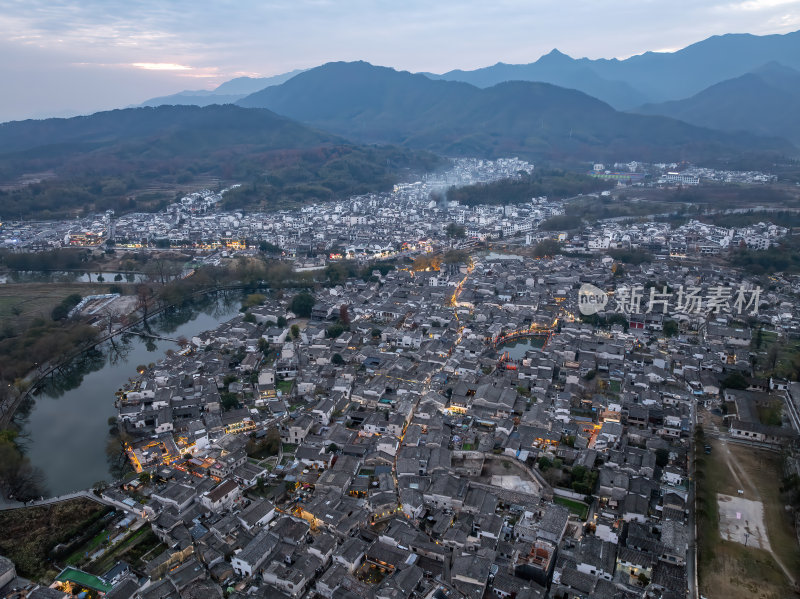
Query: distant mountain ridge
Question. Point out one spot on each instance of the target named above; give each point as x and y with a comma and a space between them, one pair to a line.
191, 98
259, 127
536, 120
303, 136
225, 93
764, 101
650, 77
555, 68
250, 85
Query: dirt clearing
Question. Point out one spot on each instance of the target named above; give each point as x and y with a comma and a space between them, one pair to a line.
742, 521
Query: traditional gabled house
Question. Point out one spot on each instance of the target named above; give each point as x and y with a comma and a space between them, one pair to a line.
635, 507
470, 574
297, 430
351, 553
248, 561
596, 558
248, 475
178, 496
323, 547
323, 411
258, 514
293, 579
331, 580
313, 457
675, 543
446, 491
222, 496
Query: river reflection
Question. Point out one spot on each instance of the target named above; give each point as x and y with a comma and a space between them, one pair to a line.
66, 426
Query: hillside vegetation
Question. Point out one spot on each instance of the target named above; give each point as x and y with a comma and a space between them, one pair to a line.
140, 159
551, 183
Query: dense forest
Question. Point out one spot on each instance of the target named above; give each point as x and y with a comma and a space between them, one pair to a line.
550, 183
326, 174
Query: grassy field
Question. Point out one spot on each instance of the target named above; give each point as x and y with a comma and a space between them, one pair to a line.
771, 414
92, 545
29, 534
578, 508
730, 570
785, 352
284, 386
22, 302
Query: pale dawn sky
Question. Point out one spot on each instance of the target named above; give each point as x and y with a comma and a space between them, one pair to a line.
62, 57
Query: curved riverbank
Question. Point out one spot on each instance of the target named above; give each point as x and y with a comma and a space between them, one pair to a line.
34, 379
66, 427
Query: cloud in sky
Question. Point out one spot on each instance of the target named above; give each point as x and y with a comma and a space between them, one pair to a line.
86, 55
160, 66
760, 5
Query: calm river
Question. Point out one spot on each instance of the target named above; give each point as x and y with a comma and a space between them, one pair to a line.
66, 427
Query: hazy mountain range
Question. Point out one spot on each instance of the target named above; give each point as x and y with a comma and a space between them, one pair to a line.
765, 101
650, 77
226, 93
208, 126
378, 105
735, 82
536, 120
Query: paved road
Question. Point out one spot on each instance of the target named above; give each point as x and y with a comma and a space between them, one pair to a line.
791, 410
13, 504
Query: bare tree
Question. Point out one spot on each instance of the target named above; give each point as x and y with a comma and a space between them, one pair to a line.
144, 294
772, 356
163, 270
18, 478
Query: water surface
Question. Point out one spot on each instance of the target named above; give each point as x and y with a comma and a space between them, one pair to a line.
516, 349
66, 427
